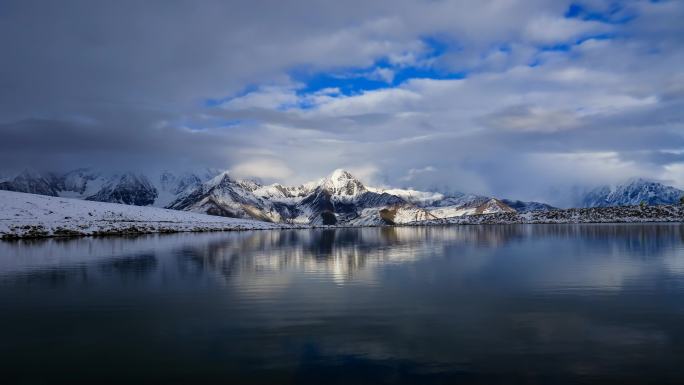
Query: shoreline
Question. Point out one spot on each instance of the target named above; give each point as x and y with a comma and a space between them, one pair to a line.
40, 232
613, 214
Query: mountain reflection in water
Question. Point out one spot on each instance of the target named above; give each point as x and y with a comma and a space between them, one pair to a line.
471, 304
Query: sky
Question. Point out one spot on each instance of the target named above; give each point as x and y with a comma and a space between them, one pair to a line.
519, 99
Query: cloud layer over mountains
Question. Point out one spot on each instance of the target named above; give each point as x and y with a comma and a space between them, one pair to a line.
501, 97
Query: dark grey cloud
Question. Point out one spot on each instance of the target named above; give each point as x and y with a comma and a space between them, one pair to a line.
57, 145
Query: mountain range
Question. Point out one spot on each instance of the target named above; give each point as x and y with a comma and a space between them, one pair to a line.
339, 198
118, 187
631, 193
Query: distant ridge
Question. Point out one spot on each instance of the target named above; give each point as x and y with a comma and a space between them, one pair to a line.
632, 192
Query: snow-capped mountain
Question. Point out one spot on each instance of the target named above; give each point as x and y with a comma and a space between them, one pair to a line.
457, 203
339, 198
342, 183
124, 187
632, 192
79, 183
226, 197
31, 182
129, 189
171, 186
525, 207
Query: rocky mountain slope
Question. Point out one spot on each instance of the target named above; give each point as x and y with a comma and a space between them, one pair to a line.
123, 187
632, 192
226, 197
32, 182
524, 207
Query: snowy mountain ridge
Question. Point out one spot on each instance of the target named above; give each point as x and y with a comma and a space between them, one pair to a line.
630, 193
116, 187
339, 198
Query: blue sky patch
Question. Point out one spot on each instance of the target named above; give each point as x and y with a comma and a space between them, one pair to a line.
357, 80
566, 47
614, 14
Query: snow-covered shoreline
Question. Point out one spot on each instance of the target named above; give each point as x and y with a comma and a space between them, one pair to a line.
35, 216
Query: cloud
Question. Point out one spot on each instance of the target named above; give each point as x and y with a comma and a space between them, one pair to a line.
532, 119
414, 172
497, 97
673, 174
384, 74
559, 30
266, 98
365, 172
265, 169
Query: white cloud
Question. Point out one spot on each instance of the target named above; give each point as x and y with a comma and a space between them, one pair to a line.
602, 167
384, 74
558, 30
267, 169
414, 172
674, 174
365, 172
532, 119
268, 97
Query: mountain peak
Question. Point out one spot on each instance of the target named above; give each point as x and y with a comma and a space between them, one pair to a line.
342, 182
221, 178
30, 173
341, 174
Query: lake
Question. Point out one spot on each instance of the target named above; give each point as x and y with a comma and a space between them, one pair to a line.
520, 304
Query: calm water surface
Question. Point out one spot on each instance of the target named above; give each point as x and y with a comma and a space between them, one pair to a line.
535, 304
